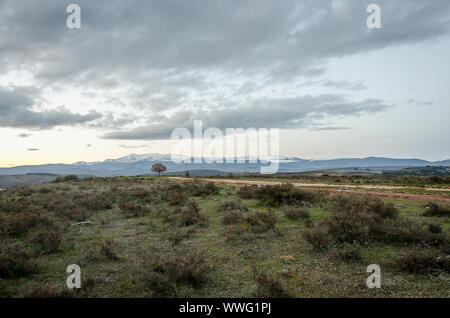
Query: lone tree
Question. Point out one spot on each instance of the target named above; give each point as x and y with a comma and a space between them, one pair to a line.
159, 167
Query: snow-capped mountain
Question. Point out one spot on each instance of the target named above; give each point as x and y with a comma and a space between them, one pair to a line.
139, 164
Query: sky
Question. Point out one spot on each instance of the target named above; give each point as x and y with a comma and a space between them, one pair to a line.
136, 70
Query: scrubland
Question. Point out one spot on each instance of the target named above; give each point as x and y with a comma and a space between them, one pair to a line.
155, 237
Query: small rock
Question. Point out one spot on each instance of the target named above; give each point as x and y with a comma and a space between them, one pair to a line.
84, 223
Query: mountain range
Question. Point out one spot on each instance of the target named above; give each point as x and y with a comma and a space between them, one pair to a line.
140, 164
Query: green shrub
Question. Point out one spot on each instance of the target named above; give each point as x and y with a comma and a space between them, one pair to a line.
232, 205
262, 221
275, 195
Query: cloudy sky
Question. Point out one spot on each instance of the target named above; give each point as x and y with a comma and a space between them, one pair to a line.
136, 70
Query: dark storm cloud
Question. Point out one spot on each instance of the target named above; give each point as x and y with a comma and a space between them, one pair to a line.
298, 112
16, 111
168, 52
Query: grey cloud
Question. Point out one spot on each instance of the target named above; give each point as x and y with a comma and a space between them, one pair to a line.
24, 135
33, 149
283, 40
169, 52
16, 111
287, 113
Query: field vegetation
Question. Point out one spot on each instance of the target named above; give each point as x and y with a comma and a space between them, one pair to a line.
155, 237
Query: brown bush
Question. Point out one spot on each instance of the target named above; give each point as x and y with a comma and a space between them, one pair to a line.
97, 202
190, 215
423, 261
347, 252
47, 239
181, 234
233, 217
103, 251
269, 287
20, 223
262, 221
108, 249
15, 261
132, 209
178, 268
317, 237
176, 198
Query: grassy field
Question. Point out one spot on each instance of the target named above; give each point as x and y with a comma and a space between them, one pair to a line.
153, 237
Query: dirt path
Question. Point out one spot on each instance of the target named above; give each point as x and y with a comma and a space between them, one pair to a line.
337, 188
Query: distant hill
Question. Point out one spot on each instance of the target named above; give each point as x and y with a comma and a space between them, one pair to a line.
140, 164
20, 180
428, 170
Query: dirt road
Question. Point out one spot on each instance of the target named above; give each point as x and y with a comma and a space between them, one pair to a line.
346, 188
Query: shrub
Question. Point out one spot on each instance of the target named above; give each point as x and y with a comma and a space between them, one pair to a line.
347, 252
47, 239
434, 209
20, 223
262, 221
15, 261
103, 251
434, 228
191, 215
233, 217
421, 261
249, 192
159, 285
132, 209
357, 219
179, 235
176, 198
269, 287
70, 177
175, 269
108, 250
297, 212
317, 237
275, 195
232, 205
97, 202
47, 292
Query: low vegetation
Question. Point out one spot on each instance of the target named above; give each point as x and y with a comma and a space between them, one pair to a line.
156, 237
